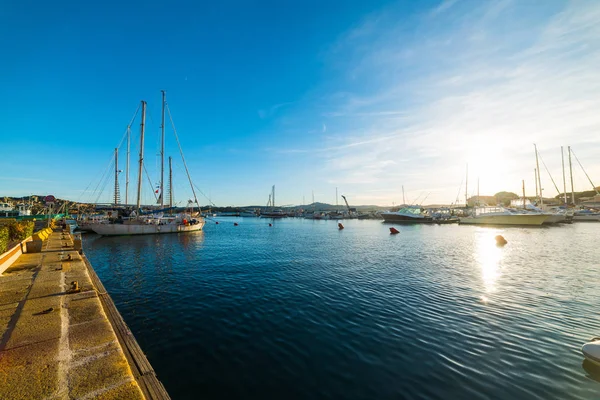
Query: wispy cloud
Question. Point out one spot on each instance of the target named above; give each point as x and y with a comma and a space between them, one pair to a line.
481, 92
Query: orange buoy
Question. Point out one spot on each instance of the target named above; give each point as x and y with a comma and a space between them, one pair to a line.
394, 231
235, 224
500, 241
270, 224
340, 226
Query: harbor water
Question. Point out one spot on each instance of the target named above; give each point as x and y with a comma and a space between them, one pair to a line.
302, 310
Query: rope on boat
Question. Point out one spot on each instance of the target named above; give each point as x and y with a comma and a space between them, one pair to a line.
181, 152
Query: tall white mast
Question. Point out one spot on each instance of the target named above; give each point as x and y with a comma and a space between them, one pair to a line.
535, 178
562, 156
571, 173
467, 188
403, 199
140, 177
127, 165
170, 183
116, 199
162, 151
539, 178
273, 196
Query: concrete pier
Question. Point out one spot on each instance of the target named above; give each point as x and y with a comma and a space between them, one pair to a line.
64, 340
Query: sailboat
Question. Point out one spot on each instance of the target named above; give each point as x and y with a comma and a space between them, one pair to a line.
273, 213
154, 223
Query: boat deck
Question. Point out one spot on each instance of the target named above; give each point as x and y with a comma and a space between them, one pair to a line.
55, 343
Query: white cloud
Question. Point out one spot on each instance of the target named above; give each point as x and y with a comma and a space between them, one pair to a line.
476, 94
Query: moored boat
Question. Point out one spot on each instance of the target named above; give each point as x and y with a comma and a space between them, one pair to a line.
139, 224
408, 215
503, 216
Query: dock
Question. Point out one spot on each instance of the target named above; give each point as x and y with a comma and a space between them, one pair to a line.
61, 335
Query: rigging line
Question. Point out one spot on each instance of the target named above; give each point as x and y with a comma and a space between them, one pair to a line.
207, 198
181, 152
459, 189
104, 183
150, 182
103, 177
129, 126
200, 190
586, 175
94, 180
548, 171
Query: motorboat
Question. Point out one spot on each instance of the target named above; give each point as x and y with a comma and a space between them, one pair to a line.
408, 215
503, 216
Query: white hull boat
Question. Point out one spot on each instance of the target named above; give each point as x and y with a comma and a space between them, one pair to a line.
591, 351
149, 227
503, 216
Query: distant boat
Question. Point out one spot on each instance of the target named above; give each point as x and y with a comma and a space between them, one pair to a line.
503, 216
139, 224
273, 213
586, 216
407, 215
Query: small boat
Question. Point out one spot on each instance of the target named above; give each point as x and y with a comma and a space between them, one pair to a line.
408, 215
591, 351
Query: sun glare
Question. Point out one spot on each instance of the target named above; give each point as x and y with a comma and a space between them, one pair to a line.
488, 256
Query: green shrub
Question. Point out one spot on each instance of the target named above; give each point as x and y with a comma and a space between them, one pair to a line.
20, 230
3, 239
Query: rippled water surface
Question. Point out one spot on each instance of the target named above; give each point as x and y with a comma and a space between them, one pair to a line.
303, 310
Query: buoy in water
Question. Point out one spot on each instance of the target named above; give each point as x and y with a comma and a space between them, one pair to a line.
217, 222
500, 241
270, 224
394, 231
235, 224
340, 226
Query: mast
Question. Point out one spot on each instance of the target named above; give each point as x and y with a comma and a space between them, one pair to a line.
127, 165
336, 197
466, 188
571, 173
141, 162
403, 199
586, 175
170, 183
539, 178
162, 150
524, 204
116, 199
536, 181
477, 191
273, 197
562, 156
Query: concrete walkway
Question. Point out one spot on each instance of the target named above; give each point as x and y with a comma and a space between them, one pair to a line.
55, 344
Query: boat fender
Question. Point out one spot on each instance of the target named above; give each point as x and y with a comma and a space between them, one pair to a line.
394, 231
235, 224
500, 241
340, 226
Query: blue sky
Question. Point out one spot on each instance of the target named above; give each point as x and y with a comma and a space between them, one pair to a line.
309, 96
